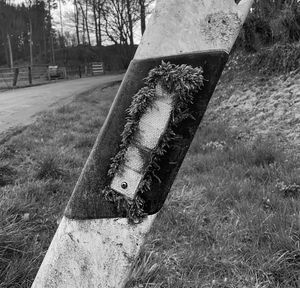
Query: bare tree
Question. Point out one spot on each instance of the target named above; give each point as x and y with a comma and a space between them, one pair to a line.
85, 22
76, 20
144, 10
130, 7
94, 7
143, 15
119, 18
97, 8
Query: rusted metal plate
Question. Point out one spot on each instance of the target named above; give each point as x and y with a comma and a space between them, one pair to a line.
126, 182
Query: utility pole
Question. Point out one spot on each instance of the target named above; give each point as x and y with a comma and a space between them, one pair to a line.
11, 60
142, 143
52, 49
30, 32
142, 15
130, 26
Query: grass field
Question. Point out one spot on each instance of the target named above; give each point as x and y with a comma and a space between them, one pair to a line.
231, 221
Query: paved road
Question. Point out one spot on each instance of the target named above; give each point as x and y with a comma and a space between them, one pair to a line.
17, 107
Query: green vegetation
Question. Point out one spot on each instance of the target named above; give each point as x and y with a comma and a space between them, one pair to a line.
232, 219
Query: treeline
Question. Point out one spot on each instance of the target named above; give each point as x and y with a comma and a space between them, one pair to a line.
81, 35
24, 29
27, 33
108, 21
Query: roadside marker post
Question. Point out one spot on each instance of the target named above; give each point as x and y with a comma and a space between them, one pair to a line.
142, 143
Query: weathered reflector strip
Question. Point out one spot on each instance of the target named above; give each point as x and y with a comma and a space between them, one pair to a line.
94, 245
151, 127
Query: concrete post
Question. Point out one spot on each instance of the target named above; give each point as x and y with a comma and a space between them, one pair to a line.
95, 244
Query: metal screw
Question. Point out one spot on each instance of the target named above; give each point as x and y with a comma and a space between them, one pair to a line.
124, 185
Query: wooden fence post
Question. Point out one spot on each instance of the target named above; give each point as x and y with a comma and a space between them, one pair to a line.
65, 72
48, 73
30, 75
127, 178
16, 74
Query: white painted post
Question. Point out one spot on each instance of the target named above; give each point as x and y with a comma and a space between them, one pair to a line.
95, 246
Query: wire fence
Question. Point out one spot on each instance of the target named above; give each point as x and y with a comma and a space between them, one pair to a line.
39, 74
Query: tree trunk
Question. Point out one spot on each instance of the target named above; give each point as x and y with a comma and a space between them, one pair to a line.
83, 30
45, 45
143, 15
52, 50
11, 61
87, 23
130, 22
95, 22
99, 35
76, 22
60, 17
99, 23
83, 23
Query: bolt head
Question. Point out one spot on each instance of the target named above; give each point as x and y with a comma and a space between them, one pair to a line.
124, 185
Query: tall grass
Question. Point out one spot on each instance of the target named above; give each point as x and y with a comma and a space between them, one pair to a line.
227, 223
232, 218
39, 167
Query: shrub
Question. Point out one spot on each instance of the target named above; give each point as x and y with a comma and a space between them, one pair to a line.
257, 32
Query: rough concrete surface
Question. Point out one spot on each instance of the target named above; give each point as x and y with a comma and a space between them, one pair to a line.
17, 107
92, 253
206, 25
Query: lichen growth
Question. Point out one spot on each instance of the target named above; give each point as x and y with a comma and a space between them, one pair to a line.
181, 82
221, 26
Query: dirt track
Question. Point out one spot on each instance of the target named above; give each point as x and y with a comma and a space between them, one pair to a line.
17, 107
